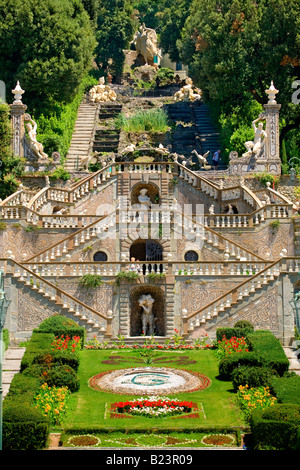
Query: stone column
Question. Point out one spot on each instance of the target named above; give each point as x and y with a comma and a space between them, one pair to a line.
17, 110
272, 150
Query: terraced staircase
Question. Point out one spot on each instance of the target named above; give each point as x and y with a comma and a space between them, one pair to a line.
208, 135
83, 135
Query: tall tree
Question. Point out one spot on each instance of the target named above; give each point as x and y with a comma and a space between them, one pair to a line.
47, 46
234, 49
115, 29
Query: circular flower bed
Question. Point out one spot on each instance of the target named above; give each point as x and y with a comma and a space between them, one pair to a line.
218, 440
154, 406
85, 440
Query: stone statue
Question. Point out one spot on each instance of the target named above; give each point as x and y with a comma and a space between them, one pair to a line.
143, 199
145, 41
255, 147
187, 92
146, 301
211, 209
201, 158
35, 146
102, 92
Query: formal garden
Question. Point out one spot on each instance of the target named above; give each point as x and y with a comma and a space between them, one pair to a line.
239, 390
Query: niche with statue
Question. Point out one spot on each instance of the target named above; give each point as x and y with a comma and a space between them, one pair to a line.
147, 311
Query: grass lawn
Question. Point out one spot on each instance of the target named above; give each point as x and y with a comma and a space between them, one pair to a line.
88, 407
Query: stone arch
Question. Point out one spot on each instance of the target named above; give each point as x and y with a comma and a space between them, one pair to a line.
159, 308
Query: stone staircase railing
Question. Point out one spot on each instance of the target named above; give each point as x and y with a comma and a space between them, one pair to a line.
170, 268
64, 301
208, 314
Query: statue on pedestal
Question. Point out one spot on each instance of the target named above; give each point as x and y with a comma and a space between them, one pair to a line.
34, 145
256, 146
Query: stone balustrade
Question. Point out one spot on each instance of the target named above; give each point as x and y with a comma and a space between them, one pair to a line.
67, 302
211, 311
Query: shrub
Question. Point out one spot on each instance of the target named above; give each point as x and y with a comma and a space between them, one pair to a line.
24, 427
286, 389
90, 280
254, 398
232, 345
23, 387
237, 331
59, 324
269, 349
234, 360
276, 428
37, 343
51, 357
253, 376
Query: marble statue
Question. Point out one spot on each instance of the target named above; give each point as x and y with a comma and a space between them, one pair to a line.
34, 145
102, 92
255, 146
187, 92
145, 41
129, 149
143, 199
146, 301
201, 158
211, 209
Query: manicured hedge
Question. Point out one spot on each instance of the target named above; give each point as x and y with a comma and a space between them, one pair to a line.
24, 427
38, 343
55, 376
48, 357
276, 427
286, 389
265, 350
269, 349
60, 325
253, 376
235, 360
237, 331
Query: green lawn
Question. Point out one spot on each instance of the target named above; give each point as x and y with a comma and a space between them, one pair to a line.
87, 406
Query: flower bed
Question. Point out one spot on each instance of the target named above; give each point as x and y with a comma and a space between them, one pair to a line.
254, 398
232, 345
218, 440
153, 406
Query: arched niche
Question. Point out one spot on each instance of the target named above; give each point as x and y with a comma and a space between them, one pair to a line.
136, 310
152, 193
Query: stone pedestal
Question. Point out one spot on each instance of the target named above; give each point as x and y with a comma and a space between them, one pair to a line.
17, 111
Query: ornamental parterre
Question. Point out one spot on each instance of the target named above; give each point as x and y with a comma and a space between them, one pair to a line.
193, 381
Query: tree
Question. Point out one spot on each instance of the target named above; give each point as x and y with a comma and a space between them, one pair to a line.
48, 46
115, 29
172, 17
235, 48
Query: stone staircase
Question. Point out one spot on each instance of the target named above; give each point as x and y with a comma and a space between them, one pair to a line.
109, 110
106, 140
184, 136
208, 135
83, 135
297, 235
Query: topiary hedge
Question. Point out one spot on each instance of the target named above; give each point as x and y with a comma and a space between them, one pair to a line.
24, 427
49, 357
253, 376
241, 329
38, 343
276, 427
55, 375
286, 389
235, 360
269, 349
59, 325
